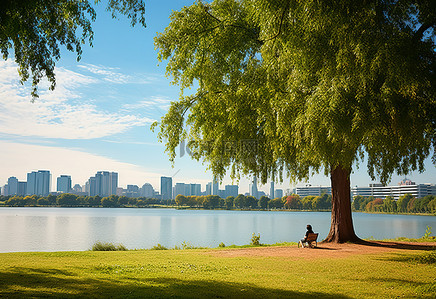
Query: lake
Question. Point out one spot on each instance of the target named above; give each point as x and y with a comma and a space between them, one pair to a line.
64, 229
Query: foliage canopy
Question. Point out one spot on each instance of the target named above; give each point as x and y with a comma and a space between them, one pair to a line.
303, 86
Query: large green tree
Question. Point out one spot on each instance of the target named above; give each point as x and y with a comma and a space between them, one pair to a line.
34, 30
300, 87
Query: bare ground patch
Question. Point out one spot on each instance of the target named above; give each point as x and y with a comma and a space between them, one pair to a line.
324, 250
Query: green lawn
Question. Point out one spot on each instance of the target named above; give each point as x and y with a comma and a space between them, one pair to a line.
199, 273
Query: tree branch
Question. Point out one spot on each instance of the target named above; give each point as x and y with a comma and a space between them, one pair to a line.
280, 26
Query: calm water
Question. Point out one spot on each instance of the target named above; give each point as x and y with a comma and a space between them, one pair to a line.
59, 229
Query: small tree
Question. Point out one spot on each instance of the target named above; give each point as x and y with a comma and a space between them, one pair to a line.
402, 203
239, 201
181, 200
263, 202
229, 202
293, 202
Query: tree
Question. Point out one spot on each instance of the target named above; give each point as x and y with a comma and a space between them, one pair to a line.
251, 202
293, 202
67, 199
403, 201
275, 203
263, 202
432, 205
181, 199
239, 201
110, 201
35, 30
374, 205
228, 202
210, 201
301, 87
389, 204
42, 201
51, 199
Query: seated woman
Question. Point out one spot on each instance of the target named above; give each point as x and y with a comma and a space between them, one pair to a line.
309, 231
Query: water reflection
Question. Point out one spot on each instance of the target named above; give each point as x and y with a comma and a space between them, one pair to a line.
56, 229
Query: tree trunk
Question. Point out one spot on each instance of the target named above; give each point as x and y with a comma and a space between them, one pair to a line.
341, 229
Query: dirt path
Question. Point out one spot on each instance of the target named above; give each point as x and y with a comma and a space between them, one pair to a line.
326, 250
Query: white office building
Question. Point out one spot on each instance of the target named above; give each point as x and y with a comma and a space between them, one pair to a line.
309, 190
38, 183
404, 187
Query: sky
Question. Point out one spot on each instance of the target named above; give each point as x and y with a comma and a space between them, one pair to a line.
99, 116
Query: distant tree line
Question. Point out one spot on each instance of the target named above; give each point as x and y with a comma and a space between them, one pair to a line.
405, 204
72, 200
243, 202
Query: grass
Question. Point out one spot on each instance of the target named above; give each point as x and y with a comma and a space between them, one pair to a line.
199, 273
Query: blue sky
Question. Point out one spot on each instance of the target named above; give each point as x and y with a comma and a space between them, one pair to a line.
99, 116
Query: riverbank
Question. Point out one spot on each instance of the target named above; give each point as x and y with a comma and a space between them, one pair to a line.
382, 270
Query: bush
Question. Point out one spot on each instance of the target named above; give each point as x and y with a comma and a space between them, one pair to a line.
255, 240
99, 246
222, 245
427, 233
159, 247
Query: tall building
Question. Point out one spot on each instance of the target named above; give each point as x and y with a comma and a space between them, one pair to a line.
64, 184
209, 188
22, 188
187, 189
38, 183
132, 191
271, 190
12, 186
147, 191
166, 187
278, 193
215, 186
253, 188
5, 190
231, 190
179, 188
195, 189
77, 188
103, 184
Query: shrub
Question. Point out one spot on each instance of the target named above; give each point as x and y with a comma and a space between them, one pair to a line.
99, 246
222, 245
427, 233
255, 240
159, 247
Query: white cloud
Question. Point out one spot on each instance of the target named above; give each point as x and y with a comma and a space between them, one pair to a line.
20, 159
109, 74
63, 113
161, 104
114, 75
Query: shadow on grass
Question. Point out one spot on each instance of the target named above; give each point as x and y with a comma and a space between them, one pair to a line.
428, 257
422, 289
28, 282
398, 245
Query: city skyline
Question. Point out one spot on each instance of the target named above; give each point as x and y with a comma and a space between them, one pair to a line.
100, 113
105, 183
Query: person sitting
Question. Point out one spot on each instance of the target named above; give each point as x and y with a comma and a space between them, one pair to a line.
309, 231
